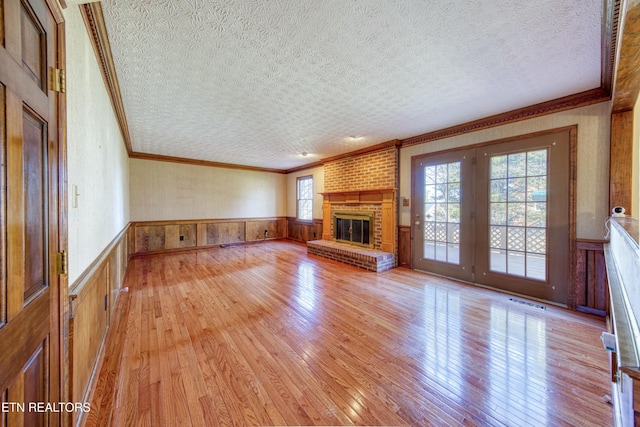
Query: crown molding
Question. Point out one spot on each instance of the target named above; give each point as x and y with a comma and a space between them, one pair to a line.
94, 21
196, 162
570, 102
610, 28
170, 159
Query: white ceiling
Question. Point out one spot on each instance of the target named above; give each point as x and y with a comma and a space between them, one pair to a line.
259, 82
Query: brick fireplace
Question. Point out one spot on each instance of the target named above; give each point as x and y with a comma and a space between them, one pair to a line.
379, 205
364, 183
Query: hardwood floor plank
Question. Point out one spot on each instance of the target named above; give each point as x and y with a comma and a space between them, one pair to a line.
270, 374
294, 373
267, 335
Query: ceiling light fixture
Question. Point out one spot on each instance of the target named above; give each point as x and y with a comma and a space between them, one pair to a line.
304, 154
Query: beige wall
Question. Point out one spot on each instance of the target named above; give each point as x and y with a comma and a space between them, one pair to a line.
318, 187
174, 191
594, 123
96, 156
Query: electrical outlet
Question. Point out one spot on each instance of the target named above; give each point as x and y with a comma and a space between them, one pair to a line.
181, 238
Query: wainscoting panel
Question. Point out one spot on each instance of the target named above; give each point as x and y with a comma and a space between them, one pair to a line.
118, 264
591, 277
303, 231
219, 233
163, 236
404, 246
87, 330
255, 229
92, 299
181, 236
150, 238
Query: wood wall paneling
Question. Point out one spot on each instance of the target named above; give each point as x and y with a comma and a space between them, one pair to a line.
636, 402
404, 246
303, 231
219, 233
573, 215
150, 238
180, 236
591, 293
131, 240
275, 229
627, 82
93, 298
114, 282
160, 236
621, 160
87, 330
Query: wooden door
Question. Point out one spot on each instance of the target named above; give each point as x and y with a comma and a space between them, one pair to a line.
29, 214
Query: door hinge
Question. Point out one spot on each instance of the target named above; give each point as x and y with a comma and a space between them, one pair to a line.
61, 263
59, 80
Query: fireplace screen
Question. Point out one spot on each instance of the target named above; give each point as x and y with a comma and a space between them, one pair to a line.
354, 227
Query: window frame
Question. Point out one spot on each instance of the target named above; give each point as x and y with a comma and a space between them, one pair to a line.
298, 198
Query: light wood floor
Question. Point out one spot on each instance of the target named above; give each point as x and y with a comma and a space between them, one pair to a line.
266, 335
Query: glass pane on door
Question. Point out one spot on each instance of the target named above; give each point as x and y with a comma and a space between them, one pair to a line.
518, 214
442, 212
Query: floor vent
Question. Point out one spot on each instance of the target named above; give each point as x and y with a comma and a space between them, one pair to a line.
531, 304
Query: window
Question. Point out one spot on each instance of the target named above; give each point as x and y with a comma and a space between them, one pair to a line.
518, 213
442, 212
305, 198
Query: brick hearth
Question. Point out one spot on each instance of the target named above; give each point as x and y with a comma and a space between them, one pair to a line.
369, 259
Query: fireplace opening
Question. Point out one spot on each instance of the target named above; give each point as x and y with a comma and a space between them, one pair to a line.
354, 227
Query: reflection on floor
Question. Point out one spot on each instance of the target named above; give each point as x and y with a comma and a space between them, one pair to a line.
267, 335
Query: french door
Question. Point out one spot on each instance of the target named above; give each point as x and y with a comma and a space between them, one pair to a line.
497, 215
442, 217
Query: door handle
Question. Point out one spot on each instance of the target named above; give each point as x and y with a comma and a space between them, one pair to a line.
417, 222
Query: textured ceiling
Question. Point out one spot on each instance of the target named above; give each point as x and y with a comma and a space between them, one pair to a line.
259, 82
